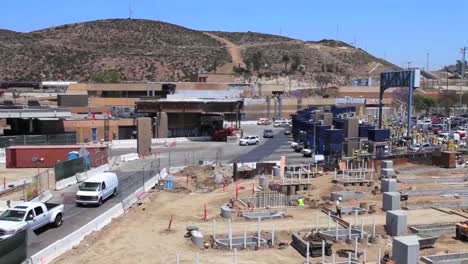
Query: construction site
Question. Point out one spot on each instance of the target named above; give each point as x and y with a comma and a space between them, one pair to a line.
359, 198
139, 141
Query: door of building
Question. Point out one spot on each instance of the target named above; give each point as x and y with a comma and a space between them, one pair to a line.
94, 134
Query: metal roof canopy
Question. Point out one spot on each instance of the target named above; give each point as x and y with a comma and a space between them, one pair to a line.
409, 78
34, 113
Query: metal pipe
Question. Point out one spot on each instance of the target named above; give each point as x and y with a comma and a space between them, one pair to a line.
333, 258
329, 220
258, 232
379, 255
230, 234
349, 257
349, 231
235, 255
273, 235
336, 231
307, 253
196, 257
177, 259
373, 225
355, 248
323, 251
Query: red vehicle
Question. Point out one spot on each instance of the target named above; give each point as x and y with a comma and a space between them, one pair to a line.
221, 135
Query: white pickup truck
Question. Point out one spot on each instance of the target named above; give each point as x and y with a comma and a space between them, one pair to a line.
32, 215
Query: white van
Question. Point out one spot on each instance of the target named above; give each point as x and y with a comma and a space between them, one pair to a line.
97, 189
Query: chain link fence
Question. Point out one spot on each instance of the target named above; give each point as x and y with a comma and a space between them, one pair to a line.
57, 139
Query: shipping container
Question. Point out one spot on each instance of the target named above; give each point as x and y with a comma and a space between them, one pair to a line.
22, 156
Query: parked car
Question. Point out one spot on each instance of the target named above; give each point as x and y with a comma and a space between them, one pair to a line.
306, 152
95, 190
422, 147
263, 121
29, 215
444, 137
268, 133
249, 140
281, 123
299, 147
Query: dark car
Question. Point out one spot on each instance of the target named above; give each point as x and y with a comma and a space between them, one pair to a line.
268, 133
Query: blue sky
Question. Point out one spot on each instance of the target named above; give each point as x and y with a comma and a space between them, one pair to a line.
397, 30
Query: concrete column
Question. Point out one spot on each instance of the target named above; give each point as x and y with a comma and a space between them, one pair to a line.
163, 127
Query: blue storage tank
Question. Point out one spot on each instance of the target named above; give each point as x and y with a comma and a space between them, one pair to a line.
332, 149
364, 130
334, 136
338, 123
379, 135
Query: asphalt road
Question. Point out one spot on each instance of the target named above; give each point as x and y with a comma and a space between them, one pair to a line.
132, 175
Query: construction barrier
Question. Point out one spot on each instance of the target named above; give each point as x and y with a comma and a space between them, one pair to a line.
132, 198
63, 245
149, 184
62, 184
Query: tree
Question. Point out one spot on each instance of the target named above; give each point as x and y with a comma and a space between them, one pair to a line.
256, 61
285, 59
296, 62
422, 102
323, 80
109, 76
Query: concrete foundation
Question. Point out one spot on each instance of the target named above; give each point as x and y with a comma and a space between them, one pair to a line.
386, 164
389, 185
346, 195
391, 201
451, 258
405, 250
387, 173
396, 223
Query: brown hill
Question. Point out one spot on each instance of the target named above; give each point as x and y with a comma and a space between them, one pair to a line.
153, 50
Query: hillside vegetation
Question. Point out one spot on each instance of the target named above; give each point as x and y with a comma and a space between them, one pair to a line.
142, 50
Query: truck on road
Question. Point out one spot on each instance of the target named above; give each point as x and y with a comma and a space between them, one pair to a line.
29, 215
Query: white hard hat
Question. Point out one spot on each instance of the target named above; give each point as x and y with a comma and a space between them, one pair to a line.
339, 198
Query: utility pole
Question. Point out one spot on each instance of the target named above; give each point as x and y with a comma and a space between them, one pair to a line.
427, 61
463, 52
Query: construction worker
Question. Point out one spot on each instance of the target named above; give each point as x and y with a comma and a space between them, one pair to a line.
300, 201
338, 207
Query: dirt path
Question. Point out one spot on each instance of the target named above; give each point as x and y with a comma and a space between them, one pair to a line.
234, 49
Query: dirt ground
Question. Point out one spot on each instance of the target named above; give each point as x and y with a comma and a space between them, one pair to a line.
140, 236
16, 174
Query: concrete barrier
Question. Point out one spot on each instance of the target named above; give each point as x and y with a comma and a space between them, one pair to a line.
151, 183
43, 197
2, 155
129, 157
132, 143
62, 184
132, 198
63, 245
